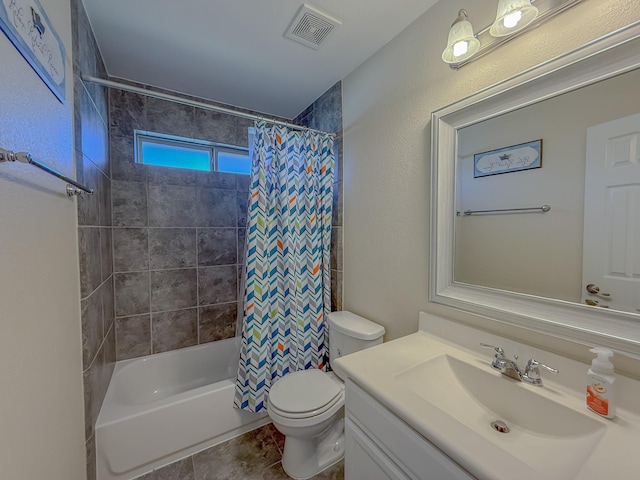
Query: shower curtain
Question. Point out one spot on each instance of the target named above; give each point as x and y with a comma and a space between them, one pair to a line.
287, 284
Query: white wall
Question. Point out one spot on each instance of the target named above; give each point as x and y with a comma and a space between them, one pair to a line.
41, 406
387, 103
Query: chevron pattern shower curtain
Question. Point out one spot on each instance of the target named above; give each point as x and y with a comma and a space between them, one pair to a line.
287, 273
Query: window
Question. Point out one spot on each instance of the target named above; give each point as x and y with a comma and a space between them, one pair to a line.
153, 148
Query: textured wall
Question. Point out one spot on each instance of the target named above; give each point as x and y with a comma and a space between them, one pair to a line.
325, 114
387, 105
41, 424
94, 225
178, 234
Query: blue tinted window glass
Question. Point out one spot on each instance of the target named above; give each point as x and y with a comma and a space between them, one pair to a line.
175, 156
234, 162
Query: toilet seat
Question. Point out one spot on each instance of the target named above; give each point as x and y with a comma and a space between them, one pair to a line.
304, 394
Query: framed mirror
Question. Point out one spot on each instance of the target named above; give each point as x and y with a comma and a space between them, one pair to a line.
527, 227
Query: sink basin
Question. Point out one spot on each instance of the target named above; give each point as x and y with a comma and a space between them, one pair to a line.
551, 438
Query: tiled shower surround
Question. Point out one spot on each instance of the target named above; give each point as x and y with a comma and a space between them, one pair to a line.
160, 249
177, 234
325, 114
94, 226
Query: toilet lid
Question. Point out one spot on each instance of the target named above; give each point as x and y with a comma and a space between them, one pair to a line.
303, 391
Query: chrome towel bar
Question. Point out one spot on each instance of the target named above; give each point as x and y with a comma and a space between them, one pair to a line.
542, 209
73, 187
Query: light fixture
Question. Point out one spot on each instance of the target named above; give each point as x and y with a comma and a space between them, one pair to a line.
512, 16
462, 43
464, 47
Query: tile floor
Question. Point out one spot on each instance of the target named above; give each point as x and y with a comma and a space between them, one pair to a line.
253, 456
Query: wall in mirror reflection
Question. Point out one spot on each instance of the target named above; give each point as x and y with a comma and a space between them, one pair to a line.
534, 253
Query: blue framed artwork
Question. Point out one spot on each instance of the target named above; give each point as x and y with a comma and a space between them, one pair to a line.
26, 24
524, 156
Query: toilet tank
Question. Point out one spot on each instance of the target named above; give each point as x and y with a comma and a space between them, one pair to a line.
349, 333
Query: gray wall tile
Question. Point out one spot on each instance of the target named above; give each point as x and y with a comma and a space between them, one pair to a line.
130, 249
217, 246
132, 293
172, 330
242, 238
336, 248
173, 289
218, 322
169, 117
106, 249
172, 247
91, 381
91, 315
216, 208
215, 127
133, 336
126, 112
171, 176
242, 199
172, 206
90, 454
336, 290
90, 259
123, 166
336, 218
217, 180
217, 284
108, 303
88, 205
129, 201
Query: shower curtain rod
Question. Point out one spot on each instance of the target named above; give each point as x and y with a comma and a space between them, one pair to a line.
194, 103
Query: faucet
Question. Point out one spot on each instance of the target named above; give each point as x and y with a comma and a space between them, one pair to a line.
510, 368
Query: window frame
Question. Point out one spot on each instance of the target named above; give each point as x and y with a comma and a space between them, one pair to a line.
213, 148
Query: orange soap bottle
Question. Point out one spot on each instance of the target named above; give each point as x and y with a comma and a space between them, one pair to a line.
600, 380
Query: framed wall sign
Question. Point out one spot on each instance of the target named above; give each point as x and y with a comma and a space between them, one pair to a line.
26, 24
524, 156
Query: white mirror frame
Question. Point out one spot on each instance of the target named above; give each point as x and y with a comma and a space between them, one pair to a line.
606, 57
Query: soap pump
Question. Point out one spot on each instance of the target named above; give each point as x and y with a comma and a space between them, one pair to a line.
600, 379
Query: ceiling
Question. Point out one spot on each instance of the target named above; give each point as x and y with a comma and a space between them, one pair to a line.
235, 51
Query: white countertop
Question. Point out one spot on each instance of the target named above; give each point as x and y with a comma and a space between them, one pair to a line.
615, 455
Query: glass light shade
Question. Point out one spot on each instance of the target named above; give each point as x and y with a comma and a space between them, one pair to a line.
461, 44
512, 16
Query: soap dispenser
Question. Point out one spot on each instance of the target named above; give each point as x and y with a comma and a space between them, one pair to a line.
600, 379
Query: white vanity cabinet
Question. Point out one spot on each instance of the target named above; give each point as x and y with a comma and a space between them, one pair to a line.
380, 446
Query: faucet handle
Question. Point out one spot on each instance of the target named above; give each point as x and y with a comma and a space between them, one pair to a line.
532, 372
499, 351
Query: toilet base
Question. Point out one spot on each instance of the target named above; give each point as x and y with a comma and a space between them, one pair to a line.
304, 458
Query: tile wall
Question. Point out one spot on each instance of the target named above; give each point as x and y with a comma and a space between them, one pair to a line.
94, 225
178, 234
325, 114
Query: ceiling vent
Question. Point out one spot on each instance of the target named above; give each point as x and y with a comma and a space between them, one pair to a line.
311, 27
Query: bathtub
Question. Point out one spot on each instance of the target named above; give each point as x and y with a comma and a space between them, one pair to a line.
162, 408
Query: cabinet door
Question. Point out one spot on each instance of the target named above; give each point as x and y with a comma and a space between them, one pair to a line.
409, 452
364, 461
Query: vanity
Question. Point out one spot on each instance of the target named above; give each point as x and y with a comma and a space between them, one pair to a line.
425, 407
431, 405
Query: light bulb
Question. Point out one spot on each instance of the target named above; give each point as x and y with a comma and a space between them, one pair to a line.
460, 48
512, 19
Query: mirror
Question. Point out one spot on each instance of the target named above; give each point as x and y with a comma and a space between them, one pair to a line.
554, 248
528, 267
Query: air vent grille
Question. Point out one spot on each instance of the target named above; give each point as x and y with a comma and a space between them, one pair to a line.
311, 27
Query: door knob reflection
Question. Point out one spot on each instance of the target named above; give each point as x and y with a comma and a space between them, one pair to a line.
593, 289
594, 303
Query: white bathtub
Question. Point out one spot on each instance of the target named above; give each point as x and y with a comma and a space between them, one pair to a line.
164, 407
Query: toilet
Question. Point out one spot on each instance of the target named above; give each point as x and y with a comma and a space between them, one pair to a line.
308, 406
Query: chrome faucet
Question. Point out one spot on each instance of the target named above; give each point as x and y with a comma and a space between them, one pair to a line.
510, 367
